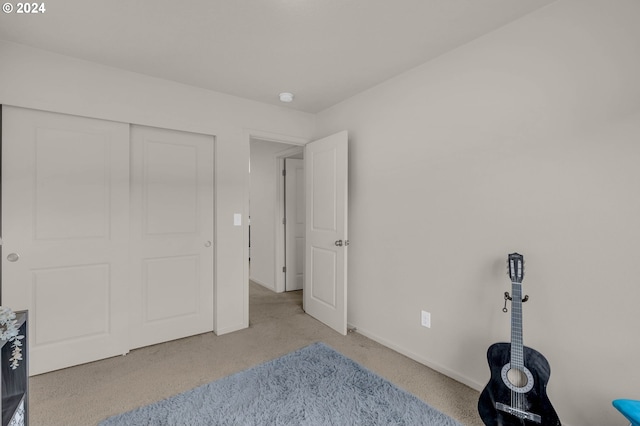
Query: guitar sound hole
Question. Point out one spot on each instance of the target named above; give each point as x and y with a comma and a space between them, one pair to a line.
517, 378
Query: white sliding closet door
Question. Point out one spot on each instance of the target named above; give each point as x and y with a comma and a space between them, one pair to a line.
65, 224
172, 217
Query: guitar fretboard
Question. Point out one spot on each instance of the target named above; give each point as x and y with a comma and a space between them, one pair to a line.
517, 360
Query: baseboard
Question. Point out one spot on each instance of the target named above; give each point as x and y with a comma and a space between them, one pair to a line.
419, 358
263, 284
231, 329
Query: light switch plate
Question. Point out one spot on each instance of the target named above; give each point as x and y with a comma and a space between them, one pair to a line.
426, 319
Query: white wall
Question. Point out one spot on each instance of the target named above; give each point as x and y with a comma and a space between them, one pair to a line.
526, 140
36, 79
263, 208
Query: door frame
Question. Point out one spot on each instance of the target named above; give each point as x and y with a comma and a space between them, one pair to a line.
250, 134
280, 233
336, 140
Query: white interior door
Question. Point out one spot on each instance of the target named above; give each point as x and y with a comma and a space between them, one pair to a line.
294, 224
172, 217
325, 284
65, 223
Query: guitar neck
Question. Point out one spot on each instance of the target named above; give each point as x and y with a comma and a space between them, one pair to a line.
517, 346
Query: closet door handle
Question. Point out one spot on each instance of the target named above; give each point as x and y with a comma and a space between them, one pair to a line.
13, 257
339, 243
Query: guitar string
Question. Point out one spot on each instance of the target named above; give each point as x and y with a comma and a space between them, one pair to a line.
518, 333
513, 354
517, 356
519, 347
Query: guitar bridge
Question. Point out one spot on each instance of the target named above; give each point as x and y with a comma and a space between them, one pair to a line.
518, 413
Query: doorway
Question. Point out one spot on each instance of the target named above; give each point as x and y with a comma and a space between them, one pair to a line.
326, 217
276, 211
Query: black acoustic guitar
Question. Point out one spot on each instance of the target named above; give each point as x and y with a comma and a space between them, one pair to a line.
517, 391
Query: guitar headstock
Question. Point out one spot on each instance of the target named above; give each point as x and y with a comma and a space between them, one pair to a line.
516, 267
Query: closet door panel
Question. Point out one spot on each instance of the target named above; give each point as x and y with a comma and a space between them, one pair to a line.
65, 226
172, 234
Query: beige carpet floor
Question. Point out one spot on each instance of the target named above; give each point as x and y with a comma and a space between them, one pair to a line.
85, 394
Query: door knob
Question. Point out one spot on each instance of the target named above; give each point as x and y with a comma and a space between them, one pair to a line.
13, 257
339, 243
207, 244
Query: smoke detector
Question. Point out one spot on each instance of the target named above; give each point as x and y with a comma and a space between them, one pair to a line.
286, 97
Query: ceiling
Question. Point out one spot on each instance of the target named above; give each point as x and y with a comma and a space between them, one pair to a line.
323, 51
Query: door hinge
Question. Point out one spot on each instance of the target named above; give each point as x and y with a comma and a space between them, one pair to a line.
284, 269
284, 173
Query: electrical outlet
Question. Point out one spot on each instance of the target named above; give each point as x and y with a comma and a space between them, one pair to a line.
426, 319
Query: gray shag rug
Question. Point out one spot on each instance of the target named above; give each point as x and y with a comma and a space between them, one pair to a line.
314, 385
